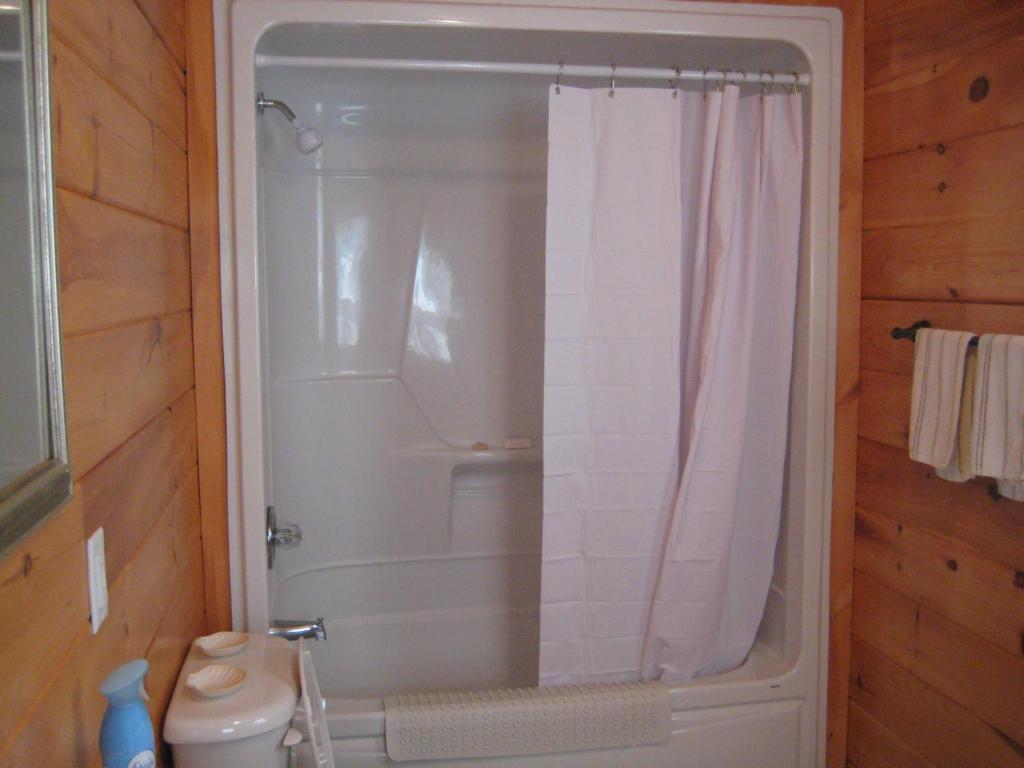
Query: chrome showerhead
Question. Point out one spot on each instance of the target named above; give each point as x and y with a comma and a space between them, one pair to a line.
306, 139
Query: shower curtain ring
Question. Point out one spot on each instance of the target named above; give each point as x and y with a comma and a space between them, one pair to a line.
796, 81
558, 77
675, 82
704, 83
720, 86
611, 87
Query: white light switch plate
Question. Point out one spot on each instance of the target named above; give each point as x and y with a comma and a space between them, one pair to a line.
97, 561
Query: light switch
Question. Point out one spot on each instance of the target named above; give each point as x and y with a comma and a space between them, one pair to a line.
97, 579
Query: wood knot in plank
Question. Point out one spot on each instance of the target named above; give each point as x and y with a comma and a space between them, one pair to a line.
979, 89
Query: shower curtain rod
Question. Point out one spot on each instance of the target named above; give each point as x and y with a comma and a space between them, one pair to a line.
552, 70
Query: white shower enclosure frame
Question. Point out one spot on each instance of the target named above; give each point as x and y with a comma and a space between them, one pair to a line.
816, 32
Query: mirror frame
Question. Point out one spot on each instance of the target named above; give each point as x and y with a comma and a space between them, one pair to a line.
39, 492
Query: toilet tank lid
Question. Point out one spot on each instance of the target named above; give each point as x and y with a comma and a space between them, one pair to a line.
266, 700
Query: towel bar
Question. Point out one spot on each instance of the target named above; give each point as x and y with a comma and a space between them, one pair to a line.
911, 332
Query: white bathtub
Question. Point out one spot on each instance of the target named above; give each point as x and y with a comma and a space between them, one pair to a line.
747, 718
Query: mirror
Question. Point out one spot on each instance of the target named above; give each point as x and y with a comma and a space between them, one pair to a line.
35, 478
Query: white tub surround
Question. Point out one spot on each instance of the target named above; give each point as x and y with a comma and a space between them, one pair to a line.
384, 326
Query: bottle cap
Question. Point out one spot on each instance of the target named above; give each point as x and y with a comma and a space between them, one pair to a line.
123, 686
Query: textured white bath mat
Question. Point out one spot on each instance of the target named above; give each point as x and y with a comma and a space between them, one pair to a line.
526, 721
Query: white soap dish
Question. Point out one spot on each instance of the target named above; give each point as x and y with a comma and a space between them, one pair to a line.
216, 680
222, 643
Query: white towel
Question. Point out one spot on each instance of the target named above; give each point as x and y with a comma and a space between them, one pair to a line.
999, 413
1010, 490
939, 358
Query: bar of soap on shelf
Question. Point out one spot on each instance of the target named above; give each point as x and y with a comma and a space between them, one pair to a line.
517, 443
481, 447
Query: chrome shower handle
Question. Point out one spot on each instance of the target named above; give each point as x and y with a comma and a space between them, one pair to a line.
285, 536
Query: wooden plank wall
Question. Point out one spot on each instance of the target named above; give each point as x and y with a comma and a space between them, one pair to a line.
938, 607
120, 132
208, 339
130, 159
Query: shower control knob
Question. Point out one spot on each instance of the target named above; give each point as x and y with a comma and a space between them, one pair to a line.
285, 536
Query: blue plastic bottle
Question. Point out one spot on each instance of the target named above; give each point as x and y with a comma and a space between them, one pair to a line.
126, 736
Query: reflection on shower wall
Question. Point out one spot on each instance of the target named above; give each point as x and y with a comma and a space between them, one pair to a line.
403, 291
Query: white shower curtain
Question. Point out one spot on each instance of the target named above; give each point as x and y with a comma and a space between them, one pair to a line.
672, 246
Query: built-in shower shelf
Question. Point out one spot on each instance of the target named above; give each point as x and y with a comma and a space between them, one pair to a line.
490, 456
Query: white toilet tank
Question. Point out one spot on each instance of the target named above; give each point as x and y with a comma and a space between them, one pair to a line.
245, 729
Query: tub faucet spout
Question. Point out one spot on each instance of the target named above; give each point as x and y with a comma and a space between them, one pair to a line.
293, 630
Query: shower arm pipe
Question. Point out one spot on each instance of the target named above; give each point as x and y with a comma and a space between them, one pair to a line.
264, 103
551, 70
